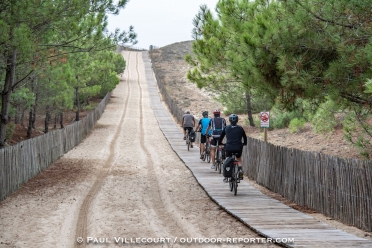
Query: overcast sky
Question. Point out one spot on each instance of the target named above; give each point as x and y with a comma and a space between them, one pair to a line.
159, 22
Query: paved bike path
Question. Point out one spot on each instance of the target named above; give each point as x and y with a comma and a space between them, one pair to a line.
267, 216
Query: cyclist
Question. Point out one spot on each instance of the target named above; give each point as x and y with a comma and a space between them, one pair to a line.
203, 124
188, 122
217, 124
234, 135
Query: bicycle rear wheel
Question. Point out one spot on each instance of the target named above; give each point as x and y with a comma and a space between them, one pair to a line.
235, 174
208, 153
188, 140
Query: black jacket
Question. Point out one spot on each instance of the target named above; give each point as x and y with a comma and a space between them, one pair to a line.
234, 135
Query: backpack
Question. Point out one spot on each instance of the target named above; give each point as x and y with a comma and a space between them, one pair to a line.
228, 167
218, 125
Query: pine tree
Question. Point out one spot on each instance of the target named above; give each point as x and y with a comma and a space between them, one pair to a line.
34, 33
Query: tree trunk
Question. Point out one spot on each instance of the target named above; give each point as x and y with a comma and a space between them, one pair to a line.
55, 121
249, 109
29, 127
77, 104
30, 116
23, 117
6, 95
47, 120
61, 120
34, 111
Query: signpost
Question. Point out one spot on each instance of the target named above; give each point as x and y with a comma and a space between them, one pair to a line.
265, 123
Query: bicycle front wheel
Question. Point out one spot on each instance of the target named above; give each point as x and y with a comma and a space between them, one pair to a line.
219, 161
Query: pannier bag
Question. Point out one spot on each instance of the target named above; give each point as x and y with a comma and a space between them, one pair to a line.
228, 167
192, 135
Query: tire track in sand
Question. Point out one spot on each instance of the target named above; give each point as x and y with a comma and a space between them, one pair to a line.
82, 222
162, 203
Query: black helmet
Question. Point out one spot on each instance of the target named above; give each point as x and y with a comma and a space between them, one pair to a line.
205, 113
233, 119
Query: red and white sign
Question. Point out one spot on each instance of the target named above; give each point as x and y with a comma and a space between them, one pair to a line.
265, 119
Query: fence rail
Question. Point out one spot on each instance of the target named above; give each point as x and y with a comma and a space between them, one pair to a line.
337, 187
21, 162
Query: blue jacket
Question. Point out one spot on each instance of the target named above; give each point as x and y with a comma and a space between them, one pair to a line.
204, 122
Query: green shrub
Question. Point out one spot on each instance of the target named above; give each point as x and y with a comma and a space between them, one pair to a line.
357, 131
282, 119
235, 101
256, 121
9, 131
296, 124
89, 107
324, 119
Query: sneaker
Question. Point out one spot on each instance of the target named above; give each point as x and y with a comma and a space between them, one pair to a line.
225, 180
191, 146
240, 173
201, 156
213, 166
184, 138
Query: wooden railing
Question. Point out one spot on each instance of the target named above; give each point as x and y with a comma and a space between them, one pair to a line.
339, 188
21, 162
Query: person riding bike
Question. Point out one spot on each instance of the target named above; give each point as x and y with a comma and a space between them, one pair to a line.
234, 135
204, 136
188, 122
217, 124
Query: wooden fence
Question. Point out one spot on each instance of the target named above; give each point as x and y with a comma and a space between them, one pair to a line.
336, 187
21, 162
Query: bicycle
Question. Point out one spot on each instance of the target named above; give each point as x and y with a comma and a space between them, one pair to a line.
218, 158
207, 150
188, 139
234, 179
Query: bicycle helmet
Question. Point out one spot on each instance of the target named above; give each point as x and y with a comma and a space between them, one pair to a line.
233, 119
216, 112
187, 111
205, 113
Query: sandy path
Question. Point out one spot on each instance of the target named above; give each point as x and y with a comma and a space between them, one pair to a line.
122, 182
